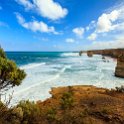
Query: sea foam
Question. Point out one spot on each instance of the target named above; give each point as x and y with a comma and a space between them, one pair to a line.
69, 54
31, 66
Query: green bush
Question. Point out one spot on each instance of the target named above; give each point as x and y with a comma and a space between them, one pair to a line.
120, 89
67, 100
51, 114
3, 109
2, 53
10, 74
31, 112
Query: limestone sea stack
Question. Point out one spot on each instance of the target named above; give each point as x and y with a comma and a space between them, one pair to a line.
90, 53
119, 71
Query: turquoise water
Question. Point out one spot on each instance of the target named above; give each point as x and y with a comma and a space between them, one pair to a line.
53, 69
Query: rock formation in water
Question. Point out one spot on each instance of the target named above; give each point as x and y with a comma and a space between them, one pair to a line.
119, 71
114, 53
90, 53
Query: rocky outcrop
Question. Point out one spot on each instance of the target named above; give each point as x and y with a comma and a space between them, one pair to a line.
119, 71
91, 105
114, 53
90, 53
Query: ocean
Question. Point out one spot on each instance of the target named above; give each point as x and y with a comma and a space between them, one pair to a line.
54, 69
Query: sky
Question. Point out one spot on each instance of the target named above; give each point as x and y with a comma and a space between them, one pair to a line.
61, 25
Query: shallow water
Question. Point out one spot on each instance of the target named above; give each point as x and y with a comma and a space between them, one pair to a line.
52, 69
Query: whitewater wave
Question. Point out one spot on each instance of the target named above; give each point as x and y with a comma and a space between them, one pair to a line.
69, 54
46, 81
61, 71
30, 66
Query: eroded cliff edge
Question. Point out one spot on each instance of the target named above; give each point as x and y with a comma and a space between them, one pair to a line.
91, 105
114, 53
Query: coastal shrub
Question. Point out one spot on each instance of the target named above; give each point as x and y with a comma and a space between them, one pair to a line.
67, 100
120, 89
13, 116
3, 109
106, 110
2, 53
10, 74
84, 113
6, 116
31, 112
51, 114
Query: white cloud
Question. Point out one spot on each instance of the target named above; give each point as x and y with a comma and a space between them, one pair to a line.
91, 25
26, 3
108, 44
93, 36
35, 25
113, 42
107, 22
50, 9
46, 8
78, 31
70, 40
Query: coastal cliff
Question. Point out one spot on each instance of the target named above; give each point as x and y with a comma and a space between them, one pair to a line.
74, 105
70, 105
89, 105
119, 71
114, 53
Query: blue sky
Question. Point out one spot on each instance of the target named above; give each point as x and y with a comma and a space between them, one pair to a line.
61, 25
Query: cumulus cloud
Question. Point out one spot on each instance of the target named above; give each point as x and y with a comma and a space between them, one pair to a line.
35, 25
46, 8
78, 31
93, 36
119, 43
91, 25
50, 9
107, 22
70, 40
26, 3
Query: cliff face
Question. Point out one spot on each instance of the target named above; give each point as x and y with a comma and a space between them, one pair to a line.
90, 53
114, 53
119, 71
70, 105
90, 105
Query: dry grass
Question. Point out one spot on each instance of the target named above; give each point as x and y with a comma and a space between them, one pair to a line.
76, 105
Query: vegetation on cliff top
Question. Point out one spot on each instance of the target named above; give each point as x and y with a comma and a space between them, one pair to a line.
90, 105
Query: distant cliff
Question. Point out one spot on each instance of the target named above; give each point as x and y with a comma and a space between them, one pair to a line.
106, 52
114, 53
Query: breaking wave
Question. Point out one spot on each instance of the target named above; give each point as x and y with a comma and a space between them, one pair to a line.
69, 54
30, 66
